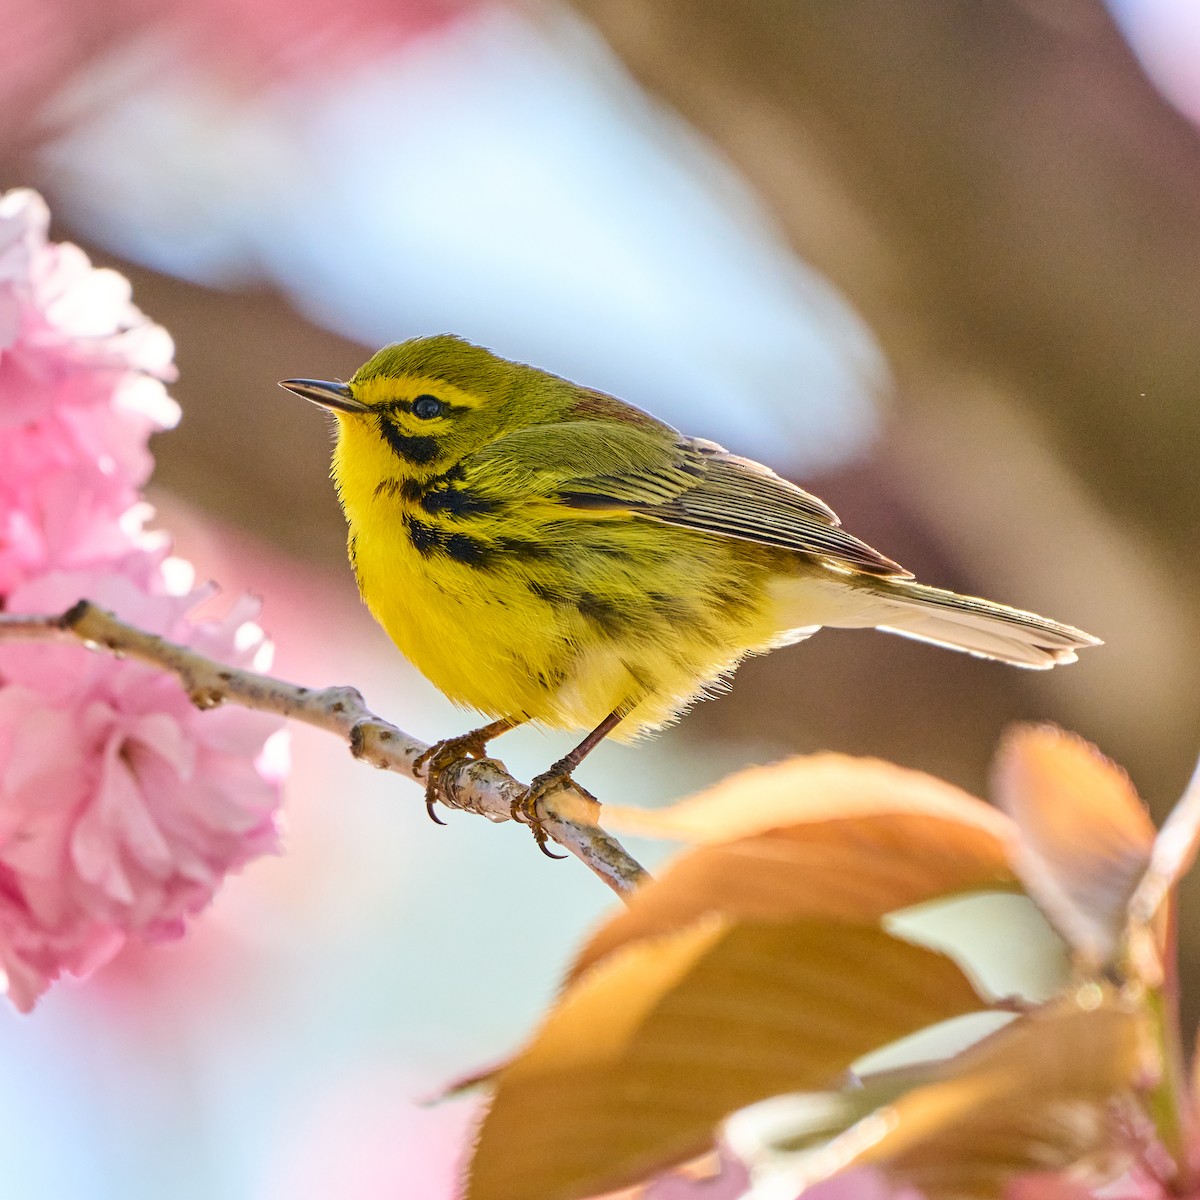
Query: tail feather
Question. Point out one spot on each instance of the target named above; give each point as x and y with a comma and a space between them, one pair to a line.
979, 627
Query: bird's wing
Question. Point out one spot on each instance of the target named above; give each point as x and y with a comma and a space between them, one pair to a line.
589, 467
741, 498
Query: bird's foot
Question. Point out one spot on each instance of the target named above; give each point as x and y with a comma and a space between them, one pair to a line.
524, 808
440, 759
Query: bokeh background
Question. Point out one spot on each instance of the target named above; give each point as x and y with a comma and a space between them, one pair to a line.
938, 261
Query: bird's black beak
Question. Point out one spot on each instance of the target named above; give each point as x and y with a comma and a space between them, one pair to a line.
327, 395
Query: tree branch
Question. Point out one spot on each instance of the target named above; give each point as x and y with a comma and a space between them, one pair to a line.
570, 817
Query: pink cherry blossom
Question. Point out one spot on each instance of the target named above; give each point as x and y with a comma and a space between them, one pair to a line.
81, 390
122, 806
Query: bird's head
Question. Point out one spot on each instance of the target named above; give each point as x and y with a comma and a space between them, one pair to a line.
416, 408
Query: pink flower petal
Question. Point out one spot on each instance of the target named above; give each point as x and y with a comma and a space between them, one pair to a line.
122, 807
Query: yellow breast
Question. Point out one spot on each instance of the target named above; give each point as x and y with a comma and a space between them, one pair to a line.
525, 610
477, 633
556, 622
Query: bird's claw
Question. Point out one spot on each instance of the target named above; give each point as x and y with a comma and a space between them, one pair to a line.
443, 757
524, 808
439, 759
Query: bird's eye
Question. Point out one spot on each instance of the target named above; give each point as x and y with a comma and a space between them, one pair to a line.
428, 407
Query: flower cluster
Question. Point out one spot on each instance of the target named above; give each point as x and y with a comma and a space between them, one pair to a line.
121, 806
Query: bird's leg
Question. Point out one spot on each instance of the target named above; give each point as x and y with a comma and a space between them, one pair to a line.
525, 809
449, 752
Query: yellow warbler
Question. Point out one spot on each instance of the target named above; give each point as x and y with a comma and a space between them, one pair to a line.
548, 553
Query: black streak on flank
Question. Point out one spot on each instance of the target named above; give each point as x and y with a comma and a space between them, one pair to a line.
429, 539
467, 550
672, 608
411, 449
735, 604
600, 612
458, 503
425, 538
390, 487
525, 548
551, 595
610, 550
437, 493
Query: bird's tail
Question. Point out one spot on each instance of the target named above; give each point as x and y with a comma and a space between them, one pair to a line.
967, 623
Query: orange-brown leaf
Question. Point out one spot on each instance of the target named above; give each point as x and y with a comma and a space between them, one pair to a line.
802, 790
855, 868
1035, 1096
640, 1058
1086, 838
